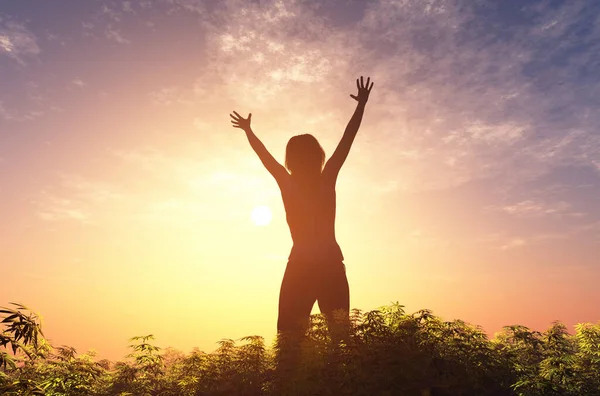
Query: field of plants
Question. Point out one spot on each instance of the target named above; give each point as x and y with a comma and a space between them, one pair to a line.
389, 352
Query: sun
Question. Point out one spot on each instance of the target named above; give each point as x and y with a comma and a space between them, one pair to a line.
261, 215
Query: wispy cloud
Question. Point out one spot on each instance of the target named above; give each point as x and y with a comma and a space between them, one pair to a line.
60, 209
463, 97
191, 174
536, 208
284, 44
196, 6
16, 41
513, 243
11, 114
168, 96
505, 241
178, 192
109, 21
461, 126
456, 100
75, 198
115, 34
183, 213
78, 82
424, 239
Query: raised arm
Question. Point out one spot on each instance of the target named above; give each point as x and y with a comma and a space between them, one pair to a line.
334, 164
274, 167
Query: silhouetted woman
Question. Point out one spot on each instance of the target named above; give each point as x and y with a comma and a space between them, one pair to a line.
315, 269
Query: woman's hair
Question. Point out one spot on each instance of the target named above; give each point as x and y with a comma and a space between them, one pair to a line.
304, 156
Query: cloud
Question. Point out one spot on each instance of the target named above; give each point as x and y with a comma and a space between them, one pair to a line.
127, 7
168, 96
16, 41
513, 243
5, 113
500, 134
62, 210
196, 6
75, 198
425, 240
460, 96
191, 175
536, 208
10, 114
269, 50
149, 159
589, 231
110, 22
78, 83
55, 208
505, 241
466, 106
115, 34
468, 102
186, 212
591, 227
6, 43
173, 189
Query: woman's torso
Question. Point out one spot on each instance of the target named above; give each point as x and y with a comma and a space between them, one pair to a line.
310, 212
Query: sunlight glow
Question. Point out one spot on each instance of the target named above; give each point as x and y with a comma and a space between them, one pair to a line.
261, 215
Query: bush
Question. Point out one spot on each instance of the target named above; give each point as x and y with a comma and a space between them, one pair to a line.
385, 352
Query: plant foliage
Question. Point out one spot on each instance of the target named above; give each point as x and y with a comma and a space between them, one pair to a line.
386, 352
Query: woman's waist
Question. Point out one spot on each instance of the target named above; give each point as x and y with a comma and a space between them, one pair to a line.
316, 251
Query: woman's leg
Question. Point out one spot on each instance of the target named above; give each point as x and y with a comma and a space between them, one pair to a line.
333, 295
296, 299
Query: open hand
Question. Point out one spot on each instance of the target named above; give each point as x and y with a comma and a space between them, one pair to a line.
240, 122
363, 90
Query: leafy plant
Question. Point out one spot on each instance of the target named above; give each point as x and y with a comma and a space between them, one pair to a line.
380, 352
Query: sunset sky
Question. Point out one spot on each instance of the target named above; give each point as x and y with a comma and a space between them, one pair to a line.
126, 197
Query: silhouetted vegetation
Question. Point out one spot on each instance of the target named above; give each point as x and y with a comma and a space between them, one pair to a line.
389, 352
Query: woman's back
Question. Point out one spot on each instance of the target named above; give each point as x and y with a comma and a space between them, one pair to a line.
310, 212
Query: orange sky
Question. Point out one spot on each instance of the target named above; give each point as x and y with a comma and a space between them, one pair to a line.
126, 195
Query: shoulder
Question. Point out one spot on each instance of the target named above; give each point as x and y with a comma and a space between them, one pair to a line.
328, 179
284, 181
